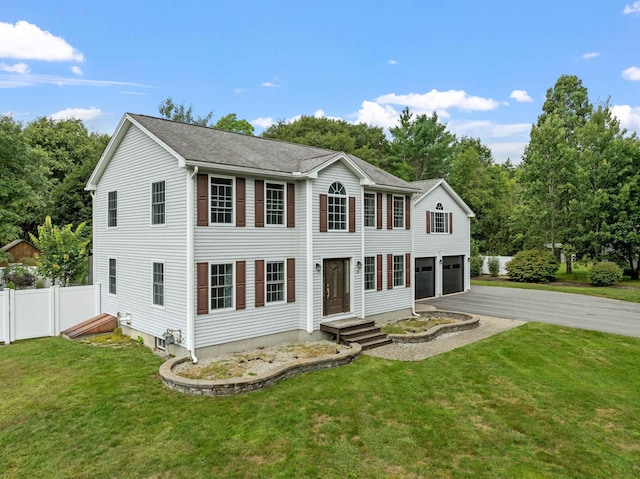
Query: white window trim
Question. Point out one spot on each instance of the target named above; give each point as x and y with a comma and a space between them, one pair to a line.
346, 208
164, 285
161, 344
151, 223
233, 201
375, 205
233, 286
432, 220
393, 265
109, 276
284, 210
116, 226
284, 281
364, 274
393, 212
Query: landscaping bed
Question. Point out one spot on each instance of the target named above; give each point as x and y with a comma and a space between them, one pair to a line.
429, 326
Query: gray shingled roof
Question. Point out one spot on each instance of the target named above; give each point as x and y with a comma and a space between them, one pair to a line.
425, 185
209, 145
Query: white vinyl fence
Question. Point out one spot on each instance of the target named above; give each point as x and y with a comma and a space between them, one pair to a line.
35, 313
503, 261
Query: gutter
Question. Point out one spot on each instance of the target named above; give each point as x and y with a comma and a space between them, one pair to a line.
191, 326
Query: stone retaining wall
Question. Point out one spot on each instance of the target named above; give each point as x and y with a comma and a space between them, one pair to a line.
468, 322
225, 387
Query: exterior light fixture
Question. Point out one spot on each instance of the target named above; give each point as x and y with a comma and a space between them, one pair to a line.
318, 267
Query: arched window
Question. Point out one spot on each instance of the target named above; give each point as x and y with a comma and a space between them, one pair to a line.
337, 207
439, 220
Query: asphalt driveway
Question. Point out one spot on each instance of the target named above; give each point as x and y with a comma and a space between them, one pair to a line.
565, 309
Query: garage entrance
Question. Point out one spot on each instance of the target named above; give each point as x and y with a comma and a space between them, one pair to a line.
452, 274
425, 278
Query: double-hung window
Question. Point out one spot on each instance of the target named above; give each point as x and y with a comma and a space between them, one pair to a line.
221, 286
275, 203
398, 270
112, 209
369, 209
112, 276
158, 203
439, 220
398, 211
275, 281
369, 272
337, 207
158, 284
221, 197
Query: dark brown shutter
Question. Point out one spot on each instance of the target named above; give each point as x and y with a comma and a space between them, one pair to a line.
291, 205
323, 213
259, 282
379, 211
450, 223
203, 288
407, 269
259, 196
428, 222
407, 212
389, 271
203, 200
291, 280
389, 212
379, 272
241, 284
352, 214
241, 207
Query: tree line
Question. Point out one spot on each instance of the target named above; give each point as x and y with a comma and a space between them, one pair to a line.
576, 188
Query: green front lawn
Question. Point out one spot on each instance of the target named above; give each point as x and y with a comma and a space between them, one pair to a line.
538, 401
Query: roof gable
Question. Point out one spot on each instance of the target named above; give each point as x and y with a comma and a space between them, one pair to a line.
428, 186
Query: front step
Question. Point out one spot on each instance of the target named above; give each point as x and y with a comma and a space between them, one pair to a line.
361, 331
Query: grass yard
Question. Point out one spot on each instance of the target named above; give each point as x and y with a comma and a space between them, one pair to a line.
538, 401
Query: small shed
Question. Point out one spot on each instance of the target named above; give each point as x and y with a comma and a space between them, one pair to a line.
20, 250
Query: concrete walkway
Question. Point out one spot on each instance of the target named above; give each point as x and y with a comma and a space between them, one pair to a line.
416, 352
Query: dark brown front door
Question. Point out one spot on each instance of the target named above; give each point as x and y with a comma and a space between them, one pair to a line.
335, 292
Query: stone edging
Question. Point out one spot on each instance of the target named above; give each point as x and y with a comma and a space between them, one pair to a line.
469, 322
226, 387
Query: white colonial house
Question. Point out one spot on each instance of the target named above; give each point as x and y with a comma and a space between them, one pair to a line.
441, 240
207, 241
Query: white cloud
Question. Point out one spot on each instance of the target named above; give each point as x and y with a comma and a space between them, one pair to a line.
507, 150
263, 122
440, 101
77, 70
488, 129
634, 8
240, 91
629, 116
589, 55
27, 80
26, 41
372, 113
520, 96
16, 68
275, 83
392, 62
84, 114
631, 73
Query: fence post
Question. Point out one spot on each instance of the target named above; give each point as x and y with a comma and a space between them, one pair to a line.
96, 290
56, 310
5, 315
11, 315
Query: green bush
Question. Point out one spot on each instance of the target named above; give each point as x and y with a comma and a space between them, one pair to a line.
605, 273
493, 264
532, 266
476, 265
19, 276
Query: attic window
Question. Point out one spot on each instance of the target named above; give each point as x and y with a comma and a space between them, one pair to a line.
440, 220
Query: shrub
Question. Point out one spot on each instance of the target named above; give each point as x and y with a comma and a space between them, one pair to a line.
476, 265
19, 276
493, 264
532, 266
605, 273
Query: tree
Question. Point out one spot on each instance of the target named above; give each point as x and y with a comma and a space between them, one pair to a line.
169, 110
366, 142
63, 256
421, 148
231, 123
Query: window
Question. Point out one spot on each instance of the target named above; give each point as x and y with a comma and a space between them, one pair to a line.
275, 281
158, 284
398, 211
221, 200
369, 273
337, 207
112, 276
439, 220
161, 344
398, 270
369, 209
221, 286
112, 209
157, 203
275, 203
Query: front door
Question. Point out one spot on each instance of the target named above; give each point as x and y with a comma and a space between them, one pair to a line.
335, 291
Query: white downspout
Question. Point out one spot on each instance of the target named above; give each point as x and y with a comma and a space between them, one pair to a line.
191, 327
412, 263
362, 253
310, 266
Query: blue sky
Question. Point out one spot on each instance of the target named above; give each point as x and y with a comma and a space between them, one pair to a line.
483, 66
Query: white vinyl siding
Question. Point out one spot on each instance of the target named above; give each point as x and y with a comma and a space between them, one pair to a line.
112, 209
221, 200
274, 204
370, 210
158, 284
158, 198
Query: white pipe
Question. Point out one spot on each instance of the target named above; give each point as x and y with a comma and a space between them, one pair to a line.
191, 326
412, 262
308, 190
